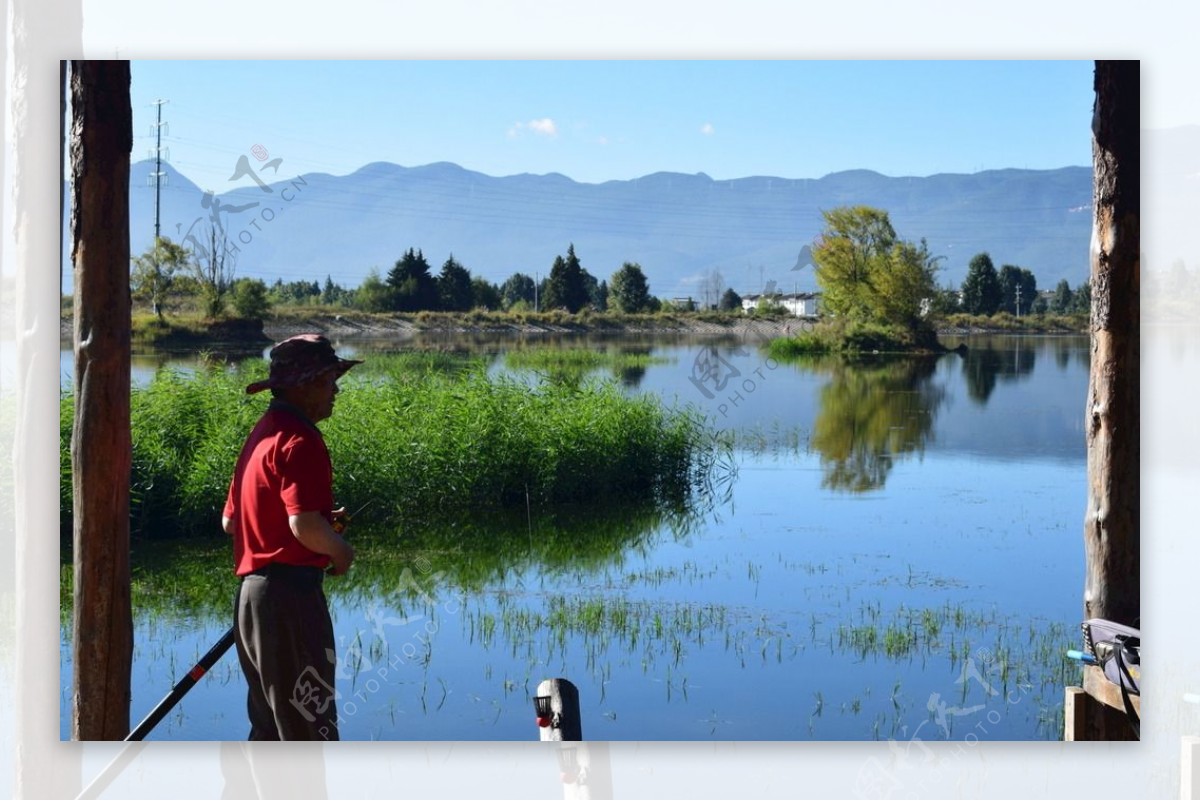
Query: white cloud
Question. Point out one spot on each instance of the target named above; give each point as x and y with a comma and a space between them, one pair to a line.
544, 127
603, 140
707, 129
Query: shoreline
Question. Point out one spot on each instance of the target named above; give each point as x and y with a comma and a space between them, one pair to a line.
406, 327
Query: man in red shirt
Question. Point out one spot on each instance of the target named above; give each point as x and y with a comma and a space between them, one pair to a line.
280, 514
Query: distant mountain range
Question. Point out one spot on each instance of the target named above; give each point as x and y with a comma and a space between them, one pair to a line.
677, 227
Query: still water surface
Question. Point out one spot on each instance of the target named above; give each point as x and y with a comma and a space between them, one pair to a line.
898, 556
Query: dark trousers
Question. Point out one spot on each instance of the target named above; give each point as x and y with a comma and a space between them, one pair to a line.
286, 648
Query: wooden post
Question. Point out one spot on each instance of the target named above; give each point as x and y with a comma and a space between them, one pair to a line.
564, 720
1112, 587
1112, 582
1095, 711
101, 452
1075, 715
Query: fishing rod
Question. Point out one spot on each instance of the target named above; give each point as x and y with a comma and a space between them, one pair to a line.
179, 690
340, 524
122, 760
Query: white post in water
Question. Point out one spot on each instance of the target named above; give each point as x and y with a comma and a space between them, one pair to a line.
557, 707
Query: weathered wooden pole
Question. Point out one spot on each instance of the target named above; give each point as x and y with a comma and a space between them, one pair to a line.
101, 452
1112, 582
1111, 536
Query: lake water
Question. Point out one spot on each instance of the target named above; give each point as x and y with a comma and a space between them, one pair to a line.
899, 555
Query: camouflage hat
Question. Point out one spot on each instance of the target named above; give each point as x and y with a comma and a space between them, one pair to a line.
298, 360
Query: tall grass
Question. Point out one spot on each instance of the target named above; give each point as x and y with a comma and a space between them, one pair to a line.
416, 443
583, 359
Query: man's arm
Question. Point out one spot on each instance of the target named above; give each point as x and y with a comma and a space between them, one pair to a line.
229, 525
315, 533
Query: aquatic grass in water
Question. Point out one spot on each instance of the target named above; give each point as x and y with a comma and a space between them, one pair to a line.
569, 366
418, 362
613, 626
577, 358
416, 444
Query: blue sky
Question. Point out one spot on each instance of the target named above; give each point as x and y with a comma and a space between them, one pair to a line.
613, 120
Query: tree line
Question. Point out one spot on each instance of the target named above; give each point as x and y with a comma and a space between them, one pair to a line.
987, 291
866, 273
169, 272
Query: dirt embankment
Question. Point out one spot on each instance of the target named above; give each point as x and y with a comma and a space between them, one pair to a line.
401, 327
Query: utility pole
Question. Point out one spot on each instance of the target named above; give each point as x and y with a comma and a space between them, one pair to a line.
158, 174
1018, 300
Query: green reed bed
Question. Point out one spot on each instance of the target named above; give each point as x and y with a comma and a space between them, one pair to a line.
569, 366
578, 359
416, 443
448, 361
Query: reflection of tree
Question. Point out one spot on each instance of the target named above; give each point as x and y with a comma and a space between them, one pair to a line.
630, 377
629, 365
869, 414
1062, 353
980, 367
996, 360
178, 581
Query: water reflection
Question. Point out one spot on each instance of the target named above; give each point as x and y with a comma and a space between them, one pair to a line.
569, 366
870, 412
660, 615
631, 372
192, 579
991, 360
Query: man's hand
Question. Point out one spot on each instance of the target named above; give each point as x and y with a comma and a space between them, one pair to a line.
340, 519
316, 534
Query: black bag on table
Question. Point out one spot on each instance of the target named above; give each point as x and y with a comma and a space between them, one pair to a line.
1118, 652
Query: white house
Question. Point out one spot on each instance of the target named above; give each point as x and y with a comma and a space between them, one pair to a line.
799, 304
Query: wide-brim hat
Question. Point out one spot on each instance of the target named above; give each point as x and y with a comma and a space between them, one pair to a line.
297, 360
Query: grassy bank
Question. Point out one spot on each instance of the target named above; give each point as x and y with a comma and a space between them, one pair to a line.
845, 337
832, 336
416, 443
192, 330
1005, 323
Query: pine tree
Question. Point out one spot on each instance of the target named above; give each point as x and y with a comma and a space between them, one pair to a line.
413, 287
454, 287
981, 287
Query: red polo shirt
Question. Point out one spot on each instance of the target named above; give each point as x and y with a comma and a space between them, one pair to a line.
284, 469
